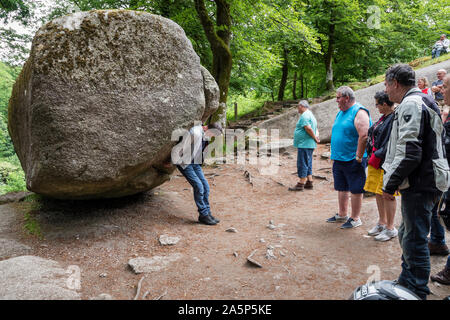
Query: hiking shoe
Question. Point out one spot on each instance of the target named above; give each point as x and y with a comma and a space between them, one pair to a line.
337, 218
386, 235
376, 230
207, 219
442, 276
351, 223
438, 249
298, 187
308, 184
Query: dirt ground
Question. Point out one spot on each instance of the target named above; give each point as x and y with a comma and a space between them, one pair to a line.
311, 259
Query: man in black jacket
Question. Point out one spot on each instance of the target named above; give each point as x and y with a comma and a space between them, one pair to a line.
415, 165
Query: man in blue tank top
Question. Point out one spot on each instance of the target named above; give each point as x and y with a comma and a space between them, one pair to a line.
348, 152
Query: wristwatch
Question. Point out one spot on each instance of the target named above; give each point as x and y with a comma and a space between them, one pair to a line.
358, 159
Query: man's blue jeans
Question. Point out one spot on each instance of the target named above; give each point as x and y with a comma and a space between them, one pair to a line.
416, 213
304, 162
437, 233
435, 53
194, 175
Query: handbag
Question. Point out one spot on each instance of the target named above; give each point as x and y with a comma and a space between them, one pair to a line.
374, 161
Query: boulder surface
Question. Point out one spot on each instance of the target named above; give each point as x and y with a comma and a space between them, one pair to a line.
93, 110
35, 278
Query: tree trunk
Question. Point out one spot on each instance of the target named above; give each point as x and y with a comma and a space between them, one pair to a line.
294, 86
220, 47
302, 86
329, 57
284, 75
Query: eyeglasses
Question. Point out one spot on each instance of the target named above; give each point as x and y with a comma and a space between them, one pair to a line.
337, 98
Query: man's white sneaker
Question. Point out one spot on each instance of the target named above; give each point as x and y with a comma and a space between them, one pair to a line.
376, 230
386, 235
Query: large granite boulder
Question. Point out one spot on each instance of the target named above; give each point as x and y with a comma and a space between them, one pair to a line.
92, 112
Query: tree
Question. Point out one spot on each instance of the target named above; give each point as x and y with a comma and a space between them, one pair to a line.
218, 34
17, 9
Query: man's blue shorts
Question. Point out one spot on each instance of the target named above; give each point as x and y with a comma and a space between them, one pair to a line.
349, 175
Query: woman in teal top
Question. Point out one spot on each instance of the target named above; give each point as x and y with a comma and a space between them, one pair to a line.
306, 137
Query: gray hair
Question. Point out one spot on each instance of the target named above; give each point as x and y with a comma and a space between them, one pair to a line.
346, 92
402, 73
304, 103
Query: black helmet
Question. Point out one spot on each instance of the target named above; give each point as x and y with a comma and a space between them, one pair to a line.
383, 290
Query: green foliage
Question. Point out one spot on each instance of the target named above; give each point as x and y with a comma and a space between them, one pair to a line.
7, 78
366, 36
245, 105
12, 177
31, 225
15, 9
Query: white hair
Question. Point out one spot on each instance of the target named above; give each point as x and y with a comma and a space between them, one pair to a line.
347, 92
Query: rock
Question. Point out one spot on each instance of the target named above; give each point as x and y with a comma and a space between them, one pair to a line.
11, 248
231, 230
326, 155
271, 225
8, 217
165, 240
34, 278
235, 254
103, 296
279, 145
211, 93
93, 111
14, 197
269, 254
253, 261
156, 263
103, 275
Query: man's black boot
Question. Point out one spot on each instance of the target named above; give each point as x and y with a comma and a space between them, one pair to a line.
208, 220
214, 218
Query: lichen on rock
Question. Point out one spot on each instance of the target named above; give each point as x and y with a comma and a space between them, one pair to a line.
91, 114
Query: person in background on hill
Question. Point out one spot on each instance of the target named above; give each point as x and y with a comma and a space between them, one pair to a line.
424, 85
305, 140
436, 87
440, 47
190, 167
443, 276
378, 136
415, 164
348, 152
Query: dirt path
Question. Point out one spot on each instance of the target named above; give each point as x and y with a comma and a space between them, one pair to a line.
312, 259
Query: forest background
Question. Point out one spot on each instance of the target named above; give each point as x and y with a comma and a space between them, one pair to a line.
258, 51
